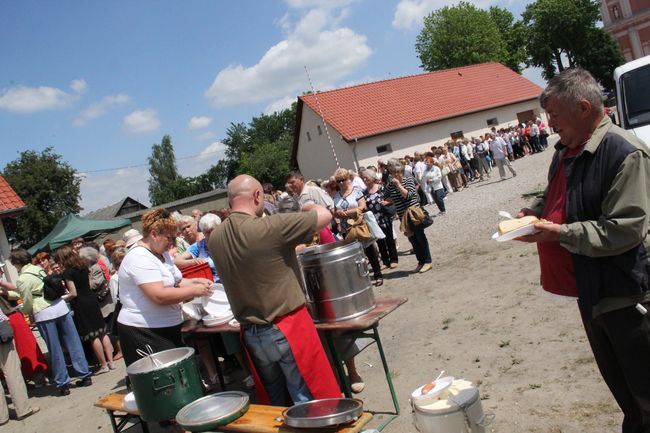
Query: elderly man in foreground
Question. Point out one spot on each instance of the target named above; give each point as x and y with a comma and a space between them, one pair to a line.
259, 270
596, 244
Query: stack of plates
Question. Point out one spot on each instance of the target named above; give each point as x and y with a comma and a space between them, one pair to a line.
217, 319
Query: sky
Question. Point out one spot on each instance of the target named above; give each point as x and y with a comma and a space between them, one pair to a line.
102, 81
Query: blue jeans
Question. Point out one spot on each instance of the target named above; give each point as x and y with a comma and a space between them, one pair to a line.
420, 245
275, 364
56, 331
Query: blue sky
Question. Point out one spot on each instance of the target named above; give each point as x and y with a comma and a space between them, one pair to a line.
101, 81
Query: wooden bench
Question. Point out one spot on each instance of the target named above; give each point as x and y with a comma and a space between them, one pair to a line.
115, 403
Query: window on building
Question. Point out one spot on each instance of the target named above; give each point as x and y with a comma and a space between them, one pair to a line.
320, 131
384, 149
308, 136
493, 122
456, 135
616, 12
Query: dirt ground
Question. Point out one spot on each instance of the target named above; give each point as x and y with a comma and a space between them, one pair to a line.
480, 315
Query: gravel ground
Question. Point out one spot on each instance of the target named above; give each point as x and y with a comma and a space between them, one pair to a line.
479, 314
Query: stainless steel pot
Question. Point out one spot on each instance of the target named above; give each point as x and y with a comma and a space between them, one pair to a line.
336, 280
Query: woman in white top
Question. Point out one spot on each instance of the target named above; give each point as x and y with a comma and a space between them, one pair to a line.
152, 290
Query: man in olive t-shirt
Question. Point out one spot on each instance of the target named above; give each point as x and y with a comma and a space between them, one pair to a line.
258, 267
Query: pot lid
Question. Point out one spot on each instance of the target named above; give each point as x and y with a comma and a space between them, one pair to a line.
323, 413
213, 410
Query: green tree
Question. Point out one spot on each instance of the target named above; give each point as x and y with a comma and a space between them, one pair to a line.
458, 36
50, 189
563, 34
513, 34
164, 179
268, 162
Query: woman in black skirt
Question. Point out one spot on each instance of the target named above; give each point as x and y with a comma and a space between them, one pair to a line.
87, 314
152, 290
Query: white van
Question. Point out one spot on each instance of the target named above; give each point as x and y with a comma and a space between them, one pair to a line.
633, 96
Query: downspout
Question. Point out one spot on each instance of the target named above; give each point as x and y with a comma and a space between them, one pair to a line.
354, 154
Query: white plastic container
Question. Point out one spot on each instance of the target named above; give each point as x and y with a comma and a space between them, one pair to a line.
458, 409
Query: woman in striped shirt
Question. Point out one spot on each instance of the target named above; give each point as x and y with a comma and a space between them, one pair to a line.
401, 191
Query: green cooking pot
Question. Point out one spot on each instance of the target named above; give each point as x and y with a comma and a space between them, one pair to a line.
165, 382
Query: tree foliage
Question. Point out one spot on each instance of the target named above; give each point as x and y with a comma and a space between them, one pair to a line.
262, 149
164, 180
460, 35
563, 34
513, 34
50, 189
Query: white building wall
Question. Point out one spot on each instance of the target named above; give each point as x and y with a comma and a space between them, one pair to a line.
421, 138
315, 157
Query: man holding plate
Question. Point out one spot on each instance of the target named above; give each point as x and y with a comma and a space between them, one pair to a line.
596, 244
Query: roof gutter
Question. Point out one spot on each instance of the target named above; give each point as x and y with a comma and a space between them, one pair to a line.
354, 154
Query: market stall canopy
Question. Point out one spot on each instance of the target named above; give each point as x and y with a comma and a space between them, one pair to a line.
72, 226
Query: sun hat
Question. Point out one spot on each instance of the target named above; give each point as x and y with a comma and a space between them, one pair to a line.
131, 236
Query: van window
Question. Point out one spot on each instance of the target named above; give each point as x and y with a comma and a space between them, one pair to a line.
635, 88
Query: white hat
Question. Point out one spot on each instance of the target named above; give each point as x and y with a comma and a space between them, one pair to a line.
130, 237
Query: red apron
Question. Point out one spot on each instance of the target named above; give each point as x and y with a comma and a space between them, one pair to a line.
300, 332
32, 360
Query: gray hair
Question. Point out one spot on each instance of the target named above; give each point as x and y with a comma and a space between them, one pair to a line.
89, 255
394, 166
184, 219
372, 174
209, 222
572, 85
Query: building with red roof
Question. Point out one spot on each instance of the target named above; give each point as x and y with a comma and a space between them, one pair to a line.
10, 205
395, 117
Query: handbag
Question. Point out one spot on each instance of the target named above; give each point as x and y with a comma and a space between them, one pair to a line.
53, 286
457, 165
6, 333
426, 221
112, 323
358, 229
445, 170
373, 225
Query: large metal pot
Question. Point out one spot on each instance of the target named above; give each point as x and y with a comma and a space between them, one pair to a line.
164, 382
336, 281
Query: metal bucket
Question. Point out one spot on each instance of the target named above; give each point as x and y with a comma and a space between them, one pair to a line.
336, 280
164, 382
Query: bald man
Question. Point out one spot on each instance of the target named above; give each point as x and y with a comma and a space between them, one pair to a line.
259, 270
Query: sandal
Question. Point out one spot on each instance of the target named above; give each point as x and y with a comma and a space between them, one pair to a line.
378, 282
357, 387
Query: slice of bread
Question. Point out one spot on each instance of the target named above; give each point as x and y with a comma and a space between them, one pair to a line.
506, 226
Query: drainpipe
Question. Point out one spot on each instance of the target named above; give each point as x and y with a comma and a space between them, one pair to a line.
354, 154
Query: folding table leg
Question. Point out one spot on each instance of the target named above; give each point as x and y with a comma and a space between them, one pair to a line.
338, 363
113, 423
375, 331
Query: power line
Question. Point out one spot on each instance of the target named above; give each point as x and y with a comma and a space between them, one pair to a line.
100, 170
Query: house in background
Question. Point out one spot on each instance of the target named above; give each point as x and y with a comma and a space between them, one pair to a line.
123, 207
392, 118
10, 206
628, 21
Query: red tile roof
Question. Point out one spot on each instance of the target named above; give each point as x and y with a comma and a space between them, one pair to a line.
10, 203
382, 106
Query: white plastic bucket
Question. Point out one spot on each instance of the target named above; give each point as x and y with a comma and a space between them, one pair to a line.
459, 410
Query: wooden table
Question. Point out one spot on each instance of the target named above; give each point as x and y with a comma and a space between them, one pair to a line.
364, 326
262, 419
115, 403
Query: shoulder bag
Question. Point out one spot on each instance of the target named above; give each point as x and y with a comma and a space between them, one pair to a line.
53, 286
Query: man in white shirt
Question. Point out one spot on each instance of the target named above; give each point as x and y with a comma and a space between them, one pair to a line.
499, 150
305, 193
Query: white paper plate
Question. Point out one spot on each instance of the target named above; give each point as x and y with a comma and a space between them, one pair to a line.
441, 384
521, 231
216, 304
129, 402
216, 321
192, 310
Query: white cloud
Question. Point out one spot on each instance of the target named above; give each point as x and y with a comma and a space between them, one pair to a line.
205, 136
330, 52
199, 122
98, 109
142, 121
25, 99
409, 14
280, 104
212, 148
